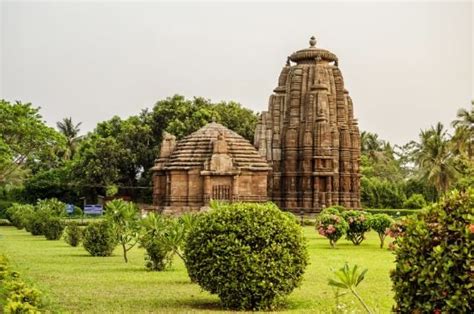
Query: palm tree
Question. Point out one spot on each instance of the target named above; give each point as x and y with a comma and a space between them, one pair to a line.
435, 159
70, 132
465, 118
463, 139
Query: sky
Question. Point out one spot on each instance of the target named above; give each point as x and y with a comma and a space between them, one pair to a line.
407, 65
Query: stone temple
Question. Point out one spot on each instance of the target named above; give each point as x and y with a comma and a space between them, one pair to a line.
306, 155
309, 135
211, 163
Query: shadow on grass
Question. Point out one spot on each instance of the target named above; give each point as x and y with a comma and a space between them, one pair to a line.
196, 304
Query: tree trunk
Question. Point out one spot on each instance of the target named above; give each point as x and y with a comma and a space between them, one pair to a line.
124, 253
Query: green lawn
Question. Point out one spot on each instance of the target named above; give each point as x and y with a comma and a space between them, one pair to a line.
77, 282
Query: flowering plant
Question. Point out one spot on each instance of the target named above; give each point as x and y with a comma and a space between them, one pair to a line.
331, 226
358, 225
396, 230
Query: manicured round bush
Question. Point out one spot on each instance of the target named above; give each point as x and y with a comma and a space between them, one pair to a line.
331, 226
433, 272
53, 228
73, 234
415, 201
358, 225
380, 223
249, 254
99, 239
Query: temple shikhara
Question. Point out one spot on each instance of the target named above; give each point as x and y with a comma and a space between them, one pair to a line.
309, 135
305, 157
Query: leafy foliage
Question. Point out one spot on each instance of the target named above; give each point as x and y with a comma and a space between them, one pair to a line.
358, 222
433, 260
25, 138
19, 214
53, 228
73, 234
159, 254
349, 278
380, 223
99, 238
416, 201
123, 217
250, 255
333, 210
331, 226
163, 237
18, 295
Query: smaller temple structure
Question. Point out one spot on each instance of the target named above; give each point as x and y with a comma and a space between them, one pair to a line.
211, 163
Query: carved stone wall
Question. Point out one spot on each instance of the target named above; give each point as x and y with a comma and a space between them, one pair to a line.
309, 135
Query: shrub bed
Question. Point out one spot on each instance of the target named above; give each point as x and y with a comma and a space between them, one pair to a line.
250, 255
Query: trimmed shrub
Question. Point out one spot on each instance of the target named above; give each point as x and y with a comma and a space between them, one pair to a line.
433, 272
331, 226
415, 201
53, 228
250, 255
99, 239
73, 234
380, 223
19, 214
358, 225
36, 224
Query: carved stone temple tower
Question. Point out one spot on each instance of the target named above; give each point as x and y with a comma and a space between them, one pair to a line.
309, 135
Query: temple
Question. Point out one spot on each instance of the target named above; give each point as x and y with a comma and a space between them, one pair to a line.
309, 135
211, 163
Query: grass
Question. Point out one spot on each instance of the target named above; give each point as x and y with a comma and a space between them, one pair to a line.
76, 282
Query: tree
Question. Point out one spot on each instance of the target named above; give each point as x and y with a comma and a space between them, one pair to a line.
237, 118
463, 138
123, 217
25, 138
435, 159
98, 162
71, 133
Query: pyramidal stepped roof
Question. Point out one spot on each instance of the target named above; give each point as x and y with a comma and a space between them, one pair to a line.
197, 148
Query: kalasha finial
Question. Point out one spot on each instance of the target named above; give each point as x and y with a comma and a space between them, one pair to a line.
312, 42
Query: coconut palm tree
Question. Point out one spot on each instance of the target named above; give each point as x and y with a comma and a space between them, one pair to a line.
435, 159
463, 139
71, 133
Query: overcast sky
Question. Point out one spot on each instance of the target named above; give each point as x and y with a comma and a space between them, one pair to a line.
407, 65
